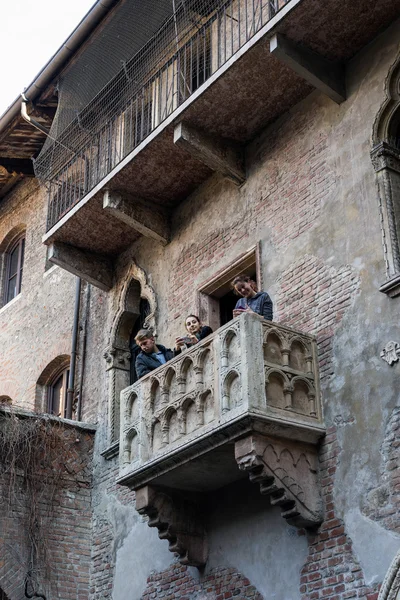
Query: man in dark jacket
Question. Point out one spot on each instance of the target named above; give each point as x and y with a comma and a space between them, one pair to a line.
152, 355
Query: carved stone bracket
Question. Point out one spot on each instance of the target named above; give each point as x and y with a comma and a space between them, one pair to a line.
177, 521
391, 353
117, 358
287, 473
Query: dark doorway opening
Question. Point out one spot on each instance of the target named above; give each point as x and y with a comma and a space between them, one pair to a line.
216, 298
144, 310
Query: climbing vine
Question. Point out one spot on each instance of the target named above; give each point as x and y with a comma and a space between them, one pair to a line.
34, 472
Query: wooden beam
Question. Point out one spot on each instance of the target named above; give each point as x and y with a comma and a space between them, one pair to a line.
325, 76
147, 220
218, 154
93, 268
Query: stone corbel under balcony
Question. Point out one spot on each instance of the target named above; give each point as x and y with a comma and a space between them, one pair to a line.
222, 156
178, 520
149, 220
243, 402
93, 268
286, 473
325, 76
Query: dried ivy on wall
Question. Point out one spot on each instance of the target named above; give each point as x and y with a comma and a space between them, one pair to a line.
34, 471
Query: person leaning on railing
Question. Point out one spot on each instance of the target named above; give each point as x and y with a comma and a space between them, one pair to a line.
196, 332
251, 300
152, 355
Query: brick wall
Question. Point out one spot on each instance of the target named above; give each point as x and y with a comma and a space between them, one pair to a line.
332, 571
36, 327
220, 584
314, 298
63, 521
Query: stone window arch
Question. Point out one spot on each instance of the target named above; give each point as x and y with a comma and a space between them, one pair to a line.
12, 252
5, 400
117, 354
52, 381
385, 156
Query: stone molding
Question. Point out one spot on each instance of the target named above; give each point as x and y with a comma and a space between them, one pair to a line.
391, 353
390, 589
117, 358
286, 473
117, 355
385, 156
177, 520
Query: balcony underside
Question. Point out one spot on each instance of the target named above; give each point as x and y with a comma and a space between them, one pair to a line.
250, 91
209, 463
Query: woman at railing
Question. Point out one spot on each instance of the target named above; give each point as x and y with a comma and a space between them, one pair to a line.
252, 300
196, 332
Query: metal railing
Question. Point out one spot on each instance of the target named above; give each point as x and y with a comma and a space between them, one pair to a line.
129, 120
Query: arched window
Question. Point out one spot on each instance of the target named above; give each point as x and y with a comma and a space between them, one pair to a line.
385, 156
52, 385
57, 394
5, 400
15, 265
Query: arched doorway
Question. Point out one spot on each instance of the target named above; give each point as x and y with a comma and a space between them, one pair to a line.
144, 311
137, 308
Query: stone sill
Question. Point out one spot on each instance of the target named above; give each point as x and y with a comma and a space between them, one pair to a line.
111, 451
25, 413
10, 303
391, 287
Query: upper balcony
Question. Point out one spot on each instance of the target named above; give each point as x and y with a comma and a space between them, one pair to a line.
243, 402
185, 106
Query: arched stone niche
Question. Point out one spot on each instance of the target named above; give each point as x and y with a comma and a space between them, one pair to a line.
385, 156
117, 353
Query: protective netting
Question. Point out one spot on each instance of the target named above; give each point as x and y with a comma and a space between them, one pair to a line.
144, 61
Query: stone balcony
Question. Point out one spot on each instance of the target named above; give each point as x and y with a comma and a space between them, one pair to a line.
243, 402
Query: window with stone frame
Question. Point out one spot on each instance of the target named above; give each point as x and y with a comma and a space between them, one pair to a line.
385, 156
57, 394
12, 254
51, 387
216, 299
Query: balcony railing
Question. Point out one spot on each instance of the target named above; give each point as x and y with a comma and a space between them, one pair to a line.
250, 374
244, 401
133, 111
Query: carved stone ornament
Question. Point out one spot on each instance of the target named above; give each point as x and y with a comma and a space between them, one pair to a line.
117, 358
390, 589
285, 472
391, 353
177, 521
